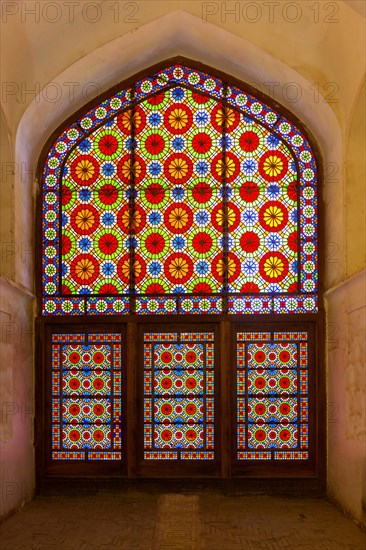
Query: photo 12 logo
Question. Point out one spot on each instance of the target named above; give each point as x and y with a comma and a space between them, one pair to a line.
26, 11
271, 12
23, 92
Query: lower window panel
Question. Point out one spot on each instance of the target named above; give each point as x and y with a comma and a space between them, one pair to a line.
201, 399
179, 396
272, 396
87, 404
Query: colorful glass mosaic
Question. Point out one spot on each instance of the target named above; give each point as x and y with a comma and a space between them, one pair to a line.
179, 396
86, 397
272, 396
180, 186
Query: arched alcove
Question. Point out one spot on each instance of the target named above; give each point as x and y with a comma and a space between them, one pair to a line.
113, 63
261, 179
148, 45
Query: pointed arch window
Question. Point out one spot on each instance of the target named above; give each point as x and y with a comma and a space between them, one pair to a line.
180, 194
182, 197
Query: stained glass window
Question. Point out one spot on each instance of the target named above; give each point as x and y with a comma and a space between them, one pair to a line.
180, 194
272, 396
179, 396
86, 397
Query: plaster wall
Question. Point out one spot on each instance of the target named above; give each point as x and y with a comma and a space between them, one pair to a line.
355, 189
347, 336
346, 395
7, 203
16, 397
42, 41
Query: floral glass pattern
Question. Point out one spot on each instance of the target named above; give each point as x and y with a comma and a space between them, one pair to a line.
272, 396
179, 396
181, 194
86, 397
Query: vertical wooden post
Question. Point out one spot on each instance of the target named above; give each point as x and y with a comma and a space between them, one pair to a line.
225, 419
131, 398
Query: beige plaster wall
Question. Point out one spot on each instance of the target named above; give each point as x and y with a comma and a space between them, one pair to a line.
16, 343
16, 397
51, 65
17, 481
347, 336
314, 41
355, 196
346, 395
7, 166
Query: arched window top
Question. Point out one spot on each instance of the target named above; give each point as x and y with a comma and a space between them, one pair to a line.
181, 193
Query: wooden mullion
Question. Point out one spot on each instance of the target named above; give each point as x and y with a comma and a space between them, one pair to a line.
132, 206
130, 402
225, 407
225, 224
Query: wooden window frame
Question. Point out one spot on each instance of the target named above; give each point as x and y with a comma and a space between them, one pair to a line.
225, 466
131, 326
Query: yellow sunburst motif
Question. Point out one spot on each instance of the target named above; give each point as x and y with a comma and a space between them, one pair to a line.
84, 269
226, 267
273, 267
84, 219
225, 116
178, 268
178, 118
127, 119
129, 221
230, 217
85, 170
226, 166
273, 216
125, 268
178, 217
129, 169
178, 168
273, 166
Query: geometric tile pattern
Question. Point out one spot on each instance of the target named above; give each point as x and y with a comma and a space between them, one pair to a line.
181, 185
272, 396
86, 396
179, 396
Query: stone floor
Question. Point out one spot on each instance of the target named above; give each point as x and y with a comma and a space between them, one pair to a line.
178, 520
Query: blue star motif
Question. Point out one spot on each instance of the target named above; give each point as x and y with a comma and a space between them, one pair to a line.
85, 145
201, 117
108, 169
85, 244
178, 242
154, 218
249, 166
178, 143
84, 194
108, 219
154, 268
154, 168
272, 140
178, 93
250, 216
202, 267
108, 269
202, 167
201, 217
155, 119
178, 193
